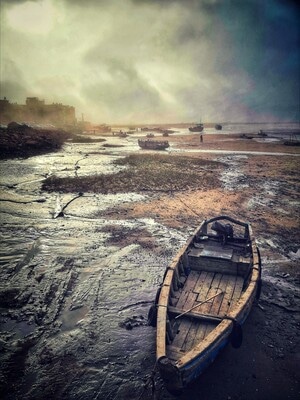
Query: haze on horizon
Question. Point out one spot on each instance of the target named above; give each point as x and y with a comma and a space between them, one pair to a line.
155, 61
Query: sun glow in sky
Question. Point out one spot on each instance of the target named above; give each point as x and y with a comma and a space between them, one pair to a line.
154, 61
32, 17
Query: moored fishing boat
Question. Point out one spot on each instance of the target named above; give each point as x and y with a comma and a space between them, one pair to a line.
206, 295
120, 134
153, 144
196, 128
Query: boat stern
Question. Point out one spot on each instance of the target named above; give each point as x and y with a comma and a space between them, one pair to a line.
171, 375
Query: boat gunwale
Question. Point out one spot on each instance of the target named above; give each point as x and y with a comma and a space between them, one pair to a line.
157, 144
163, 300
238, 313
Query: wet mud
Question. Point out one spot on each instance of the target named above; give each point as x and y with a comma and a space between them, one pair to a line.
79, 271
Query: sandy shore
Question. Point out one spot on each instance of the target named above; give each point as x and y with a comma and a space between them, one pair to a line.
233, 142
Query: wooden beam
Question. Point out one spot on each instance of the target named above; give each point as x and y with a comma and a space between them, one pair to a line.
204, 317
199, 304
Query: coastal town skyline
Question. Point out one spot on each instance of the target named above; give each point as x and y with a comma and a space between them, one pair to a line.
154, 61
38, 111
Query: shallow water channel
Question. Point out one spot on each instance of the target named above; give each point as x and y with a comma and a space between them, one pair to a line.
74, 307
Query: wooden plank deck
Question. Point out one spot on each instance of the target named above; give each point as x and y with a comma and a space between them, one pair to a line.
188, 288
199, 286
205, 287
228, 295
186, 301
237, 292
215, 308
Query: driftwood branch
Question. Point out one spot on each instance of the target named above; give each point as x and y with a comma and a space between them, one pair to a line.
61, 213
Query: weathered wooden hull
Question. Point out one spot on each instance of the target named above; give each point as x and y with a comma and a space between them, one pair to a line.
202, 302
197, 128
153, 144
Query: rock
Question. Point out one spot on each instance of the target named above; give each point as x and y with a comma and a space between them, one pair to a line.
128, 326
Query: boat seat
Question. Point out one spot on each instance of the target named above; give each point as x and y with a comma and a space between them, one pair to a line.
216, 259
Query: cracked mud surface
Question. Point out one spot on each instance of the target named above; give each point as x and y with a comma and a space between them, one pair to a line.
75, 290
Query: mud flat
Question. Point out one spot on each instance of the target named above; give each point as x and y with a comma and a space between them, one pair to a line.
76, 288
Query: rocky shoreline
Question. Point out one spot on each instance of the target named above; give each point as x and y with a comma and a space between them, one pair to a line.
23, 141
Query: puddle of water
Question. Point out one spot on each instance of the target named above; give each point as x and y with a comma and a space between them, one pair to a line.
19, 329
71, 318
237, 152
267, 140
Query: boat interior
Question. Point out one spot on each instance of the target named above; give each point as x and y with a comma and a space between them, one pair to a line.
211, 276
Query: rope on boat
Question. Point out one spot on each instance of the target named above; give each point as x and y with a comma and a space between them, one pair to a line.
198, 215
149, 381
236, 336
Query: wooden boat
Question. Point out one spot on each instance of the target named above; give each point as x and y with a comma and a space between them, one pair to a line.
196, 128
246, 136
153, 144
206, 295
262, 133
120, 134
293, 141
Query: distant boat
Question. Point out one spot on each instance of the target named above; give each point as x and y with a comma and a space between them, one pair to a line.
246, 136
153, 144
196, 128
218, 127
168, 131
120, 134
262, 133
161, 130
293, 141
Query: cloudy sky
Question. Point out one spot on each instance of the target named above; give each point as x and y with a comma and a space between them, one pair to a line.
155, 60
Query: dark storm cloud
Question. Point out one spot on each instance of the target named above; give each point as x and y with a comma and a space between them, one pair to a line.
265, 39
126, 89
186, 59
252, 41
136, 97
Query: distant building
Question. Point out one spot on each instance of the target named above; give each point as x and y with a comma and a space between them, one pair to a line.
35, 111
